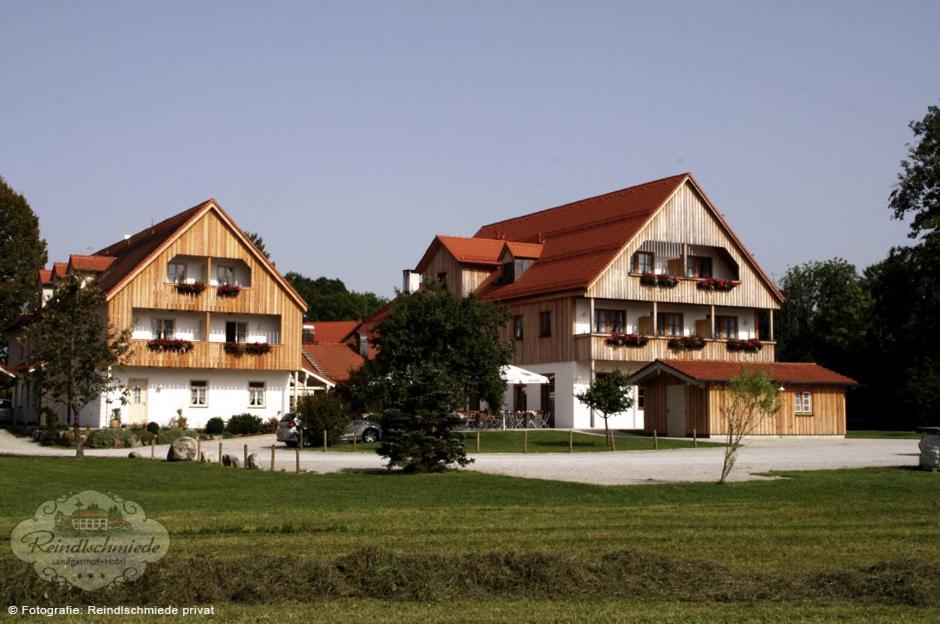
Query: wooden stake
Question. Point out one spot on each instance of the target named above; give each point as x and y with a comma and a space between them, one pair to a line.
245, 456
694, 438
478, 440
272, 458
153, 448
354, 442
571, 440
297, 458
324, 440
198, 449
525, 440
613, 444
655, 440
220, 452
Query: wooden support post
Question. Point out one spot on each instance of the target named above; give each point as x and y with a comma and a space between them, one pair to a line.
272, 458
324, 440
694, 438
655, 440
245, 456
478, 440
153, 448
713, 322
571, 440
525, 440
771, 325
655, 320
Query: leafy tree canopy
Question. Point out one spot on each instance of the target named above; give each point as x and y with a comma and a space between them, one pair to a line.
255, 238
917, 194
22, 254
609, 394
330, 300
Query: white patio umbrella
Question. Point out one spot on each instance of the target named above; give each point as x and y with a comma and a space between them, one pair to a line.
515, 375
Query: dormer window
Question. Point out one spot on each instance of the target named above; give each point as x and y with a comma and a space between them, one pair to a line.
176, 273
644, 262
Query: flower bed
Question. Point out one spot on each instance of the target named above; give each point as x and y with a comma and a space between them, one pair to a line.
748, 346
170, 344
190, 288
617, 339
660, 281
257, 348
228, 290
686, 343
713, 283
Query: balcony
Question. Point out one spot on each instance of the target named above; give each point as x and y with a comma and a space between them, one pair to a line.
595, 347
209, 355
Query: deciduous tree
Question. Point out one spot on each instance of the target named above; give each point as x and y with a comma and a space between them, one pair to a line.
608, 395
748, 398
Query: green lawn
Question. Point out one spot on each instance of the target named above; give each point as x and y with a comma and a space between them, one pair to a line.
815, 546
550, 441
906, 435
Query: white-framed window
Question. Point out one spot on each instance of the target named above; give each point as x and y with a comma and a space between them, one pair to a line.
803, 402
164, 328
176, 272
198, 393
225, 274
236, 331
255, 394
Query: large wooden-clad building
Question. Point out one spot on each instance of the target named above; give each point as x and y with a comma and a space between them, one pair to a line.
215, 329
651, 272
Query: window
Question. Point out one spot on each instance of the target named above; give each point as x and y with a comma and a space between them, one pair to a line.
610, 320
644, 262
517, 327
176, 272
225, 274
164, 329
198, 393
235, 332
699, 266
256, 394
803, 402
308, 336
726, 327
640, 397
669, 324
545, 323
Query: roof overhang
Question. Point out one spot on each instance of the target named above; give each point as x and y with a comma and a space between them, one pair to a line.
655, 369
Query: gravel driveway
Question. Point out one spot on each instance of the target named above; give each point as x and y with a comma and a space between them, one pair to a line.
603, 468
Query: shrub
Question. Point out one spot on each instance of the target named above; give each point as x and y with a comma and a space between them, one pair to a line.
215, 425
153, 428
319, 412
270, 425
244, 424
117, 437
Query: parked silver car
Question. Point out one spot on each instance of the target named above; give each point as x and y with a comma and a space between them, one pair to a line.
362, 430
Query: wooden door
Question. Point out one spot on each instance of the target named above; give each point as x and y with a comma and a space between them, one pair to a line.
675, 410
137, 401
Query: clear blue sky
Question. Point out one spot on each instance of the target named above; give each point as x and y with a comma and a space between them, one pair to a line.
348, 134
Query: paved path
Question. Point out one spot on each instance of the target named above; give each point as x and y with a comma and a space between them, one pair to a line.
604, 468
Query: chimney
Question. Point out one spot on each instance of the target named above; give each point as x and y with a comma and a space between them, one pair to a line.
410, 281
362, 340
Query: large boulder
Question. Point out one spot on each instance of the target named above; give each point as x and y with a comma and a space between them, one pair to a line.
253, 462
930, 448
182, 449
231, 460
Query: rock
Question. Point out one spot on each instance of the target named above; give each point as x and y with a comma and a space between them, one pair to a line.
182, 449
253, 462
230, 460
236, 463
930, 449
206, 457
134, 455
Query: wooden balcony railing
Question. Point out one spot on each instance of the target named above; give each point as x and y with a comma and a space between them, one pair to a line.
595, 347
210, 355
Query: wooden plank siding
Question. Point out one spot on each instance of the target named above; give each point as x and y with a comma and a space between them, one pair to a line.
462, 279
211, 237
684, 219
535, 349
696, 410
828, 417
654, 407
594, 346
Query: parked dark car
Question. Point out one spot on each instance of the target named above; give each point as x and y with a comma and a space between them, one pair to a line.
362, 430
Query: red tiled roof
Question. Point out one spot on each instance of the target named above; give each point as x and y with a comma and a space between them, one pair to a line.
332, 331
45, 277
524, 250
782, 372
580, 238
336, 361
60, 269
93, 264
466, 250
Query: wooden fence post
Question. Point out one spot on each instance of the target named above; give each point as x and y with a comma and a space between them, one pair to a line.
297, 459
198, 449
324, 440
354, 442
478, 440
245, 456
220, 451
571, 440
272, 458
525, 440
613, 444
655, 440
694, 438
153, 448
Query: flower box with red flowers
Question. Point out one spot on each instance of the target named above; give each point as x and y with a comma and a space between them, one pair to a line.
257, 348
661, 281
714, 283
686, 343
190, 288
234, 348
617, 339
748, 346
228, 290
170, 344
